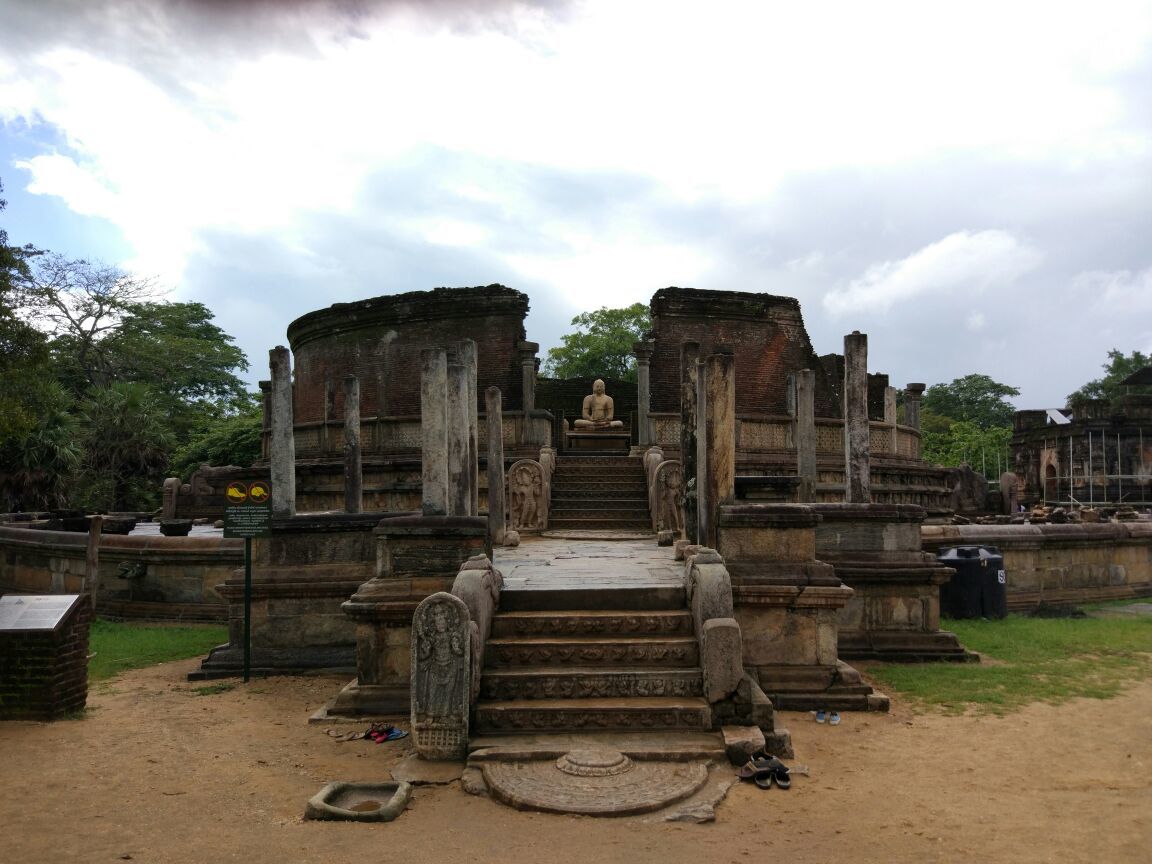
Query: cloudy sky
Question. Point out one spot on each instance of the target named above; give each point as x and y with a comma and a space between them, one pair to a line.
969, 183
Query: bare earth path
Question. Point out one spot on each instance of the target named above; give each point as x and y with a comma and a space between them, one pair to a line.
160, 774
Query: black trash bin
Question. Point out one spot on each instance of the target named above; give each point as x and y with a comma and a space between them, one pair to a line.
979, 589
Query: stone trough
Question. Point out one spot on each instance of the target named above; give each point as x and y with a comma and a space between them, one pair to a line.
359, 802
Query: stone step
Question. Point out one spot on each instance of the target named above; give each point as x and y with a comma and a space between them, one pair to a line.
607, 510
629, 526
569, 460
571, 715
672, 746
588, 622
568, 493
601, 596
664, 651
574, 682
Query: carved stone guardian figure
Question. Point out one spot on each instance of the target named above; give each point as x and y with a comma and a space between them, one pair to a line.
669, 488
441, 669
527, 495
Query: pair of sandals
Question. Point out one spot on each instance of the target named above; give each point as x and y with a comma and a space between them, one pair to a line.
764, 770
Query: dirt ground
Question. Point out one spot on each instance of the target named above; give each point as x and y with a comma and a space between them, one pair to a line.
157, 773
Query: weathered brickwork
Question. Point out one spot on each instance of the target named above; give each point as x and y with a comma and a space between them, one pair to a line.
379, 340
765, 332
44, 674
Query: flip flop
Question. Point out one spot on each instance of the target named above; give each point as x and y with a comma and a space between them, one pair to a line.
782, 778
759, 763
395, 734
763, 779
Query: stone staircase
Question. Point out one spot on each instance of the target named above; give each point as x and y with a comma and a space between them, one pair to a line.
622, 659
599, 493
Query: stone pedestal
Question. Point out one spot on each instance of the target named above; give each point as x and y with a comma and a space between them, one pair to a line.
300, 576
416, 556
894, 614
788, 605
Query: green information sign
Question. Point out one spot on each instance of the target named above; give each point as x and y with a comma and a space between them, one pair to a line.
248, 512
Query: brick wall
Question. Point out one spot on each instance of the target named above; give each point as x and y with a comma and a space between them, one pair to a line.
380, 341
765, 333
44, 674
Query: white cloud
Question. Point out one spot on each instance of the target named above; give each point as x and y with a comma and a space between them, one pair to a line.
1114, 292
963, 261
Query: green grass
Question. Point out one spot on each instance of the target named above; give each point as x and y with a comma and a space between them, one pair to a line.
119, 646
213, 689
1028, 660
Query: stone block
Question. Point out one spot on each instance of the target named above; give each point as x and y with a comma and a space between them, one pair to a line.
721, 658
740, 742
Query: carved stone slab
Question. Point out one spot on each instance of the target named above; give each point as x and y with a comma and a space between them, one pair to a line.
441, 677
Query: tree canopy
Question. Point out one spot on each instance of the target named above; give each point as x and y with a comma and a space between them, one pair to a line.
602, 346
102, 380
1118, 367
975, 399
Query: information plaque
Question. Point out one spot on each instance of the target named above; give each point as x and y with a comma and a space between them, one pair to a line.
34, 612
248, 512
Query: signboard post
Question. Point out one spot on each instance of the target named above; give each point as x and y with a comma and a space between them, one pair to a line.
248, 514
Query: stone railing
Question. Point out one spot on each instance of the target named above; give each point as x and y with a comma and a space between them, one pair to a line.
769, 433
324, 439
146, 576
1061, 563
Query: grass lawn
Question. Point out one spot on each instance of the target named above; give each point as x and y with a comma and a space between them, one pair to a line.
118, 646
1027, 660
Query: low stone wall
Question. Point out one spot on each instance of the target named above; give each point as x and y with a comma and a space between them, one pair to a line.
140, 576
1061, 563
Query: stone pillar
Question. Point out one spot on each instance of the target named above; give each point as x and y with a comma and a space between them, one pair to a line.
689, 356
494, 413
805, 434
720, 430
434, 430
890, 406
466, 354
913, 393
266, 421
459, 490
643, 352
283, 445
353, 473
528, 371
856, 432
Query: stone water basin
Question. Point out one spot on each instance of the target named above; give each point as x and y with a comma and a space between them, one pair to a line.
359, 802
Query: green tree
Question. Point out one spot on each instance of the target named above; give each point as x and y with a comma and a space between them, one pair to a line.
23, 349
1118, 367
231, 441
126, 438
36, 468
602, 346
975, 399
951, 443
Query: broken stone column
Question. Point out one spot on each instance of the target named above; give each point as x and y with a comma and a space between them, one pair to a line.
913, 393
493, 408
283, 447
689, 357
857, 486
459, 490
894, 613
788, 605
466, 354
434, 431
416, 556
890, 406
720, 431
643, 352
353, 473
806, 434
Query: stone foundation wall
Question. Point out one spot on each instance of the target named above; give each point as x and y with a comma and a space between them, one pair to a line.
152, 577
1060, 563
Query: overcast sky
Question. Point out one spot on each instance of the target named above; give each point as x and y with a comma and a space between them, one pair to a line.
969, 183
